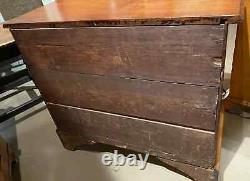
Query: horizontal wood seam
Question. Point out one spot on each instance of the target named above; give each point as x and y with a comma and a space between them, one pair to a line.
73, 27
139, 119
132, 78
131, 22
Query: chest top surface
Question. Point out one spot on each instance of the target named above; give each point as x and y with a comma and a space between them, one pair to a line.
65, 13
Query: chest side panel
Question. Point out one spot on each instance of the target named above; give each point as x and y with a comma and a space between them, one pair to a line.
119, 77
146, 72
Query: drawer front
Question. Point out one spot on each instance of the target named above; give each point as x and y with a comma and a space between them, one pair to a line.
172, 142
183, 54
181, 104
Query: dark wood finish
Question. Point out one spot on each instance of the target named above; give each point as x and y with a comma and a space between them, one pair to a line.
193, 146
117, 73
155, 53
129, 12
154, 100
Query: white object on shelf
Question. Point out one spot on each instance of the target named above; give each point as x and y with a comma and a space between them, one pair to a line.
45, 2
1, 18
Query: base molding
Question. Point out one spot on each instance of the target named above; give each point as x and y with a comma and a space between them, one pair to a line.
195, 173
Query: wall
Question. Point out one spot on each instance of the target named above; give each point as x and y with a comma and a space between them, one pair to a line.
14, 8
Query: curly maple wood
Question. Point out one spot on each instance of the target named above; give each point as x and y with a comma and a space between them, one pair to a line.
122, 12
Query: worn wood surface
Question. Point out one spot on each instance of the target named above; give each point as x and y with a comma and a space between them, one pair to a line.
219, 138
155, 53
193, 172
159, 139
132, 85
7, 158
159, 101
129, 12
5, 36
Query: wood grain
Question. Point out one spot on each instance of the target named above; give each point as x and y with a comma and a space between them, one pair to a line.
193, 172
219, 138
129, 12
7, 161
164, 140
196, 105
155, 53
240, 79
125, 73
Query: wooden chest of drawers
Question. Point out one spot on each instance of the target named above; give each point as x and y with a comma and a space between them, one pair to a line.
140, 75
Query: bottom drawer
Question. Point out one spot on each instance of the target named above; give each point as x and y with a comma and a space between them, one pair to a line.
179, 143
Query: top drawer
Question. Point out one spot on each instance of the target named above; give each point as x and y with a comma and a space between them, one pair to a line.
182, 54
